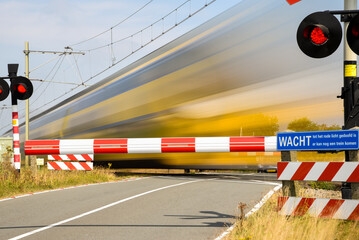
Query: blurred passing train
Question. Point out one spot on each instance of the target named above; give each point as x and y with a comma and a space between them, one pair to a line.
239, 74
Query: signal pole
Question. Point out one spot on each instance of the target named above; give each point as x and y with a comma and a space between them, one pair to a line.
349, 190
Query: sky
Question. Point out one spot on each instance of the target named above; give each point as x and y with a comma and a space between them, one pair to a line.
52, 25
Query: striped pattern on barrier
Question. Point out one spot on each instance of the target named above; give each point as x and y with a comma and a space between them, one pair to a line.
71, 157
16, 137
151, 145
87, 166
317, 207
319, 171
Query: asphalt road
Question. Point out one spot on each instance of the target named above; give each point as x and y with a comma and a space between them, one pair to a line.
159, 207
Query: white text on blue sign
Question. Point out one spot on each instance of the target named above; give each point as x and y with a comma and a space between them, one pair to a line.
320, 140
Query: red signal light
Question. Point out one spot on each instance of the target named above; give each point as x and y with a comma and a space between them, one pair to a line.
355, 30
21, 89
353, 34
0, 91
317, 36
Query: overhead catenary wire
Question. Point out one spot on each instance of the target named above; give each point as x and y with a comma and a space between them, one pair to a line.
152, 39
110, 29
133, 50
58, 64
143, 29
41, 65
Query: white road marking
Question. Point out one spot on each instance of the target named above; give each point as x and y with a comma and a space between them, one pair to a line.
248, 182
268, 183
99, 209
259, 182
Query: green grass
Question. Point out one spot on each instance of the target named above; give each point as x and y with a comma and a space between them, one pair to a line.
13, 183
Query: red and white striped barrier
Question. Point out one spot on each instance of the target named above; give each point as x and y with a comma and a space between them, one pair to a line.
319, 171
16, 136
151, 145
87, 166
71, 157
317, 207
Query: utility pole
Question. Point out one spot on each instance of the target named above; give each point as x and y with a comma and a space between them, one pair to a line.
27, 52
27, 100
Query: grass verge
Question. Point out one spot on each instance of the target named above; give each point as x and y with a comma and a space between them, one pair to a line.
13, 183
266, 224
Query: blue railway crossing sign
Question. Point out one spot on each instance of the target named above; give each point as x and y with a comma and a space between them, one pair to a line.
319, 140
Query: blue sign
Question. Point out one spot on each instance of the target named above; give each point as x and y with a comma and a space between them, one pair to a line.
321, 140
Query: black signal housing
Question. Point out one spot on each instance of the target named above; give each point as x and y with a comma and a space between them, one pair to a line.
4, 89
353, 34
21, 88
319, 34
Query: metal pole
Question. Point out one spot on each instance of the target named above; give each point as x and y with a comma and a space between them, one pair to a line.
27, 100
350, 73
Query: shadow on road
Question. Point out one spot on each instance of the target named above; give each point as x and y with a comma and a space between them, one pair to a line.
212, 214
202, 215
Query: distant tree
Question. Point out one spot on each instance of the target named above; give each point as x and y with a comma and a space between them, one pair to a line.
303, 124
324, 127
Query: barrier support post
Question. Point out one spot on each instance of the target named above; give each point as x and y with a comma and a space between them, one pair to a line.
354, 157
288, 187
33, 164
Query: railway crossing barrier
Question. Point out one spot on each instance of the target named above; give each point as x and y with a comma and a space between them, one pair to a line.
288, 171
151, 145
83, 149
62, 162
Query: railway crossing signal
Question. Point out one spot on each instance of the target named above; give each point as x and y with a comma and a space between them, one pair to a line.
4, 89
21, 88
319, 34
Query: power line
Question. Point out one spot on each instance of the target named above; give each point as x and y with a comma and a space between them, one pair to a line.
59, 62
164, 31
136, 50
151, 25
110, 29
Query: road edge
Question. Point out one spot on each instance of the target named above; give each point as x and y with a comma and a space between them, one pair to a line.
253, 210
